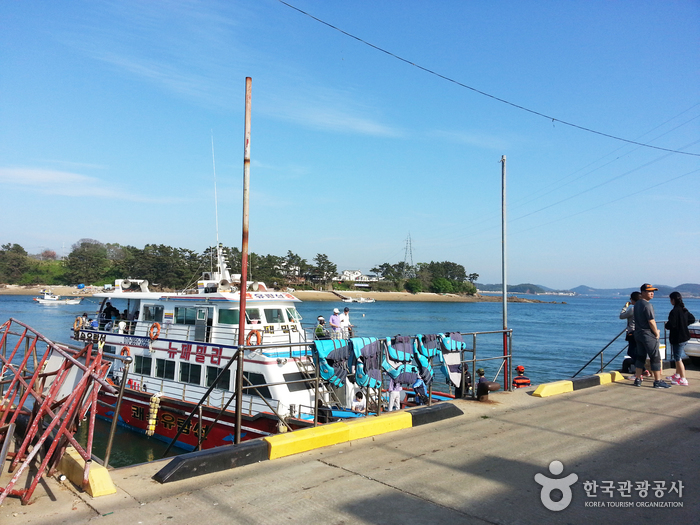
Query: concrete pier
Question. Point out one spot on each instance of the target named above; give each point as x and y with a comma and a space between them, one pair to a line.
479, 467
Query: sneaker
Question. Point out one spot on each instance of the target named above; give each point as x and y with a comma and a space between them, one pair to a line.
681, 381
674, 377
646, 373
638, 381
661, 384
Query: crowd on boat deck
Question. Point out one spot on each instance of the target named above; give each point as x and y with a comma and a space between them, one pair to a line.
340, 326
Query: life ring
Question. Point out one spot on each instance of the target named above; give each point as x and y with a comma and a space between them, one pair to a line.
78, 324
258, 337
154, 331
126, 352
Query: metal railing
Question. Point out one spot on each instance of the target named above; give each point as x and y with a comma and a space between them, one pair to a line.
506, 360
601, 354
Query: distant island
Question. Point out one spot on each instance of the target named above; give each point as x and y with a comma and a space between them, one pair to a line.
687, 290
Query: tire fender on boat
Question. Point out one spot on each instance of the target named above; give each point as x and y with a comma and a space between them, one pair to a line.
258, 337
154, 331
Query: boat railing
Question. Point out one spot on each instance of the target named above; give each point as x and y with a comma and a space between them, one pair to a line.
285, 333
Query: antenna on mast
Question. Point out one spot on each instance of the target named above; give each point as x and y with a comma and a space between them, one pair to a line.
216, 199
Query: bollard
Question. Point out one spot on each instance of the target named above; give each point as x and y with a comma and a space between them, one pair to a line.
483, 389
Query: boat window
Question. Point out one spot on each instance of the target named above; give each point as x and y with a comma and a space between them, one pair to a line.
223, 382
185, 315
165, 369
190, 373
142, 365
274, 315
294, 316
252, 315
153, 313
256, 379
229, 317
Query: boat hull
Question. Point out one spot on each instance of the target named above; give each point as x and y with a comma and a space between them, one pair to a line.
171, 414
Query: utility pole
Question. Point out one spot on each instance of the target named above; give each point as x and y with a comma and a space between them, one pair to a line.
244, 261
506, 370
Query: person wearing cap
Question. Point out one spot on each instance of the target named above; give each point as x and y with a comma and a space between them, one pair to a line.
628, 313
336, 332
646, 334
321, 332
520, 381
345, 326
482, 375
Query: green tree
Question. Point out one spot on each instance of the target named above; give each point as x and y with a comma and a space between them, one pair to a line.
393, 272
441, 285
294, 267
265, 268
324, 270
87, 262
14, 262
414, 285
472, 277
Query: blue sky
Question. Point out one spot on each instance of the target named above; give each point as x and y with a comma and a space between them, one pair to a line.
107, 111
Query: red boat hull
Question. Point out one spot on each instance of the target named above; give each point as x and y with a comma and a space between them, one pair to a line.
171, 415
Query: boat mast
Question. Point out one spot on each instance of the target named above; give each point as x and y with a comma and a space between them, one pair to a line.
244, 259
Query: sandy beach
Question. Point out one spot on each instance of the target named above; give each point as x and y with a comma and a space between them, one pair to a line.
304, 295
16, 289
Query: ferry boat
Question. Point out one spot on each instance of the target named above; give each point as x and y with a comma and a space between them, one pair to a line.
178, 386
180, 342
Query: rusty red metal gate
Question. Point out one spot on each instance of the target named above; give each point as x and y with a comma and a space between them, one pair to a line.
47, 392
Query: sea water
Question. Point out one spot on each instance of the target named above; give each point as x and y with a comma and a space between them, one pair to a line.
552, 340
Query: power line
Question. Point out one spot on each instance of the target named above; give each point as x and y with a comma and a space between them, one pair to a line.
523, 108
607, 181
614, 200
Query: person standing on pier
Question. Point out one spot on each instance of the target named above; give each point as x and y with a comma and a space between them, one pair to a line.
628, 313
646, 334
520, 381
678, 320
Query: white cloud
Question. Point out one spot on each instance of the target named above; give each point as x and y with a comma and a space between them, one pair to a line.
67, 184
328, 109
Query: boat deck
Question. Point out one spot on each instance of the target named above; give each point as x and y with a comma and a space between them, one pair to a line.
476, 468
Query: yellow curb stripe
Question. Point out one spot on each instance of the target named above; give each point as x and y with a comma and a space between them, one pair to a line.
373, 426
605, 378
552, 389
306, 439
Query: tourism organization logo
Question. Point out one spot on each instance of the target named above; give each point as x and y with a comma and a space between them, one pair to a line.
645, 493
551, 484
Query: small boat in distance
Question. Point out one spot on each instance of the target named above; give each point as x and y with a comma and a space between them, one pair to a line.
49, 298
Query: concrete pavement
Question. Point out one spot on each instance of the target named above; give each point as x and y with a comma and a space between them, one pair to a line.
475, 468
